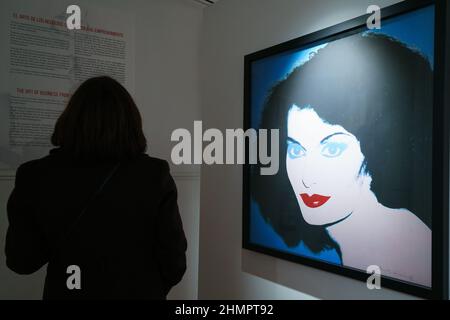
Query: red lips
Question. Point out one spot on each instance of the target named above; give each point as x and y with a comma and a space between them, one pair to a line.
314, 201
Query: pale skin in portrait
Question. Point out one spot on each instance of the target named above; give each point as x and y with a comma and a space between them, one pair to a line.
326, 170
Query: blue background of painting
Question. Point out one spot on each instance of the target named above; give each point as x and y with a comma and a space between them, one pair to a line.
415, 29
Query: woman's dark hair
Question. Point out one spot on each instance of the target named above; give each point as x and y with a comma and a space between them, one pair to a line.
379, 90
100, 123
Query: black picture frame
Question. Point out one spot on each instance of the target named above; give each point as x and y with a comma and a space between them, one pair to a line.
440, 155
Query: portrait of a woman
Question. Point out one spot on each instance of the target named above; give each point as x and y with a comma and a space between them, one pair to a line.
355, 156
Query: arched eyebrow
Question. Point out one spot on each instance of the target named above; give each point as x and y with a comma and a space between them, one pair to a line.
332, 135
296, 142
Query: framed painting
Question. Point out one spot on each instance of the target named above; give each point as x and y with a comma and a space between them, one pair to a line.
362, 183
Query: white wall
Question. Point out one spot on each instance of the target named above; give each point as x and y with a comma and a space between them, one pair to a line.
232, 29
167, 92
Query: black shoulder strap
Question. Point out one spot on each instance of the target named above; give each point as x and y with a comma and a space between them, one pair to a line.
83, 211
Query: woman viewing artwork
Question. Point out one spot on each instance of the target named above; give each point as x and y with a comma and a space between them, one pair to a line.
354, 184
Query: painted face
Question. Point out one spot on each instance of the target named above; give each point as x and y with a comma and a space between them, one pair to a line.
323, 163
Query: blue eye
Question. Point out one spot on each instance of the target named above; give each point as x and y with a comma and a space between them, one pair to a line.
295, 150
333, 149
